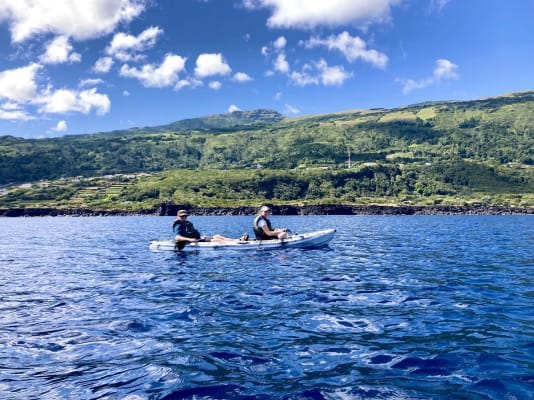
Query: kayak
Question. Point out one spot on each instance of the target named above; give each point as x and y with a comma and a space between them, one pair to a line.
296, 240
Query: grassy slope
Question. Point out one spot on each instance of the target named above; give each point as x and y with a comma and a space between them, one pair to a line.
436, 152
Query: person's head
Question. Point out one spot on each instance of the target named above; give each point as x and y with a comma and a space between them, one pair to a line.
265, 210
182, 214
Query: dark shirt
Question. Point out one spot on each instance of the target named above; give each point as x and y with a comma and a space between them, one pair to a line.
186, 229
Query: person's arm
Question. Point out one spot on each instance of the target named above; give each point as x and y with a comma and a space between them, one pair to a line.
180, 231
274, 232
180, 238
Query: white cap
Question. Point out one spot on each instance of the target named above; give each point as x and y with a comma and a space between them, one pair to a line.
264, 208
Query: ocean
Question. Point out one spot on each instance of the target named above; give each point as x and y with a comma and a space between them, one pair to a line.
396, 307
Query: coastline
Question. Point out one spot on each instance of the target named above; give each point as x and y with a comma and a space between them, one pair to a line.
167, 209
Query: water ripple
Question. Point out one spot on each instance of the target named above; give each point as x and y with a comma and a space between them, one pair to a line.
395, 308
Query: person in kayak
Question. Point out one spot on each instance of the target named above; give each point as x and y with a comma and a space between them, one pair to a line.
185, 231
263, 228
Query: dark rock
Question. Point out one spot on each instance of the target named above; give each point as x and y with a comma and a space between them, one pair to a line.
170, 209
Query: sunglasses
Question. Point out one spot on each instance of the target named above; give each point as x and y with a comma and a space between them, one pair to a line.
183, 215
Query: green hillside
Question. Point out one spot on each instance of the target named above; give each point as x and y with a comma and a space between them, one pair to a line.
440, 151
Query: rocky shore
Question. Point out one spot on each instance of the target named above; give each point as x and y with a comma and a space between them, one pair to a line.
167, 209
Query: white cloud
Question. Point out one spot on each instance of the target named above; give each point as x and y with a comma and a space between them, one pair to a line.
319, 73
90, 82
308, 14
65, 100
20, 87
125, 93
280, 43
80, 20
265, 51
352, 47
188, 82
280, 64
444, 70
13, 112
19, 84
211, 64
332, 75
124, 46
163, 75
278, 96
289, 109
103, 65
182, 83
215, 85
61, 126
409, 84
242, 77
11, 105
303, 78
59, 51
233, 108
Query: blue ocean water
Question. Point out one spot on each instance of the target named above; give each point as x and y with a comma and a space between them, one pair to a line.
396, 307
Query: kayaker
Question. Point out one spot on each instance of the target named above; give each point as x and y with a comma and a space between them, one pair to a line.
263, 228
185, 231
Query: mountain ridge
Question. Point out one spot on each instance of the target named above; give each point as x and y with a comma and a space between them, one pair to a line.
495, 130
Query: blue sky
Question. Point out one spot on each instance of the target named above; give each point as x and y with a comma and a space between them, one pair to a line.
71, 67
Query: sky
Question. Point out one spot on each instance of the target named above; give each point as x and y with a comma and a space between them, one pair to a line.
71, 67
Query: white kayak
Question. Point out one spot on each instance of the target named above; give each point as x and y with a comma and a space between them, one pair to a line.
300, 240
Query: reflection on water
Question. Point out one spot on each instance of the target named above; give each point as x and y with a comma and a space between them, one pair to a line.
396, 307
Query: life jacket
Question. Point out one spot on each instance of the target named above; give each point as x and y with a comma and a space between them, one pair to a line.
260, 234
189, 229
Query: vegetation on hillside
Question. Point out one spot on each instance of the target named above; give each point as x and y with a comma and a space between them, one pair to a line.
448, 152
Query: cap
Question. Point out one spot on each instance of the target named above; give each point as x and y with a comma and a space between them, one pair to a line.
264, 208
182, 212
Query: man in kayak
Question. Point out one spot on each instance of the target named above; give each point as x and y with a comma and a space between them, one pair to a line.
185, 231
263, 228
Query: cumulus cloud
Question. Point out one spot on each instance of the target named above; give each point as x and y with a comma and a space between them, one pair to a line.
329, 76
61, 126
65, 100
125, 47
233, 108
280, 64
444, 70
215, 85
303, 78
59, 51
352, 47
241, 77
211, 64
13, 111
318, 73
308, 14
188, 82
80, 20
21, 90
19, 84
165, 74
280, 43
103, 65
